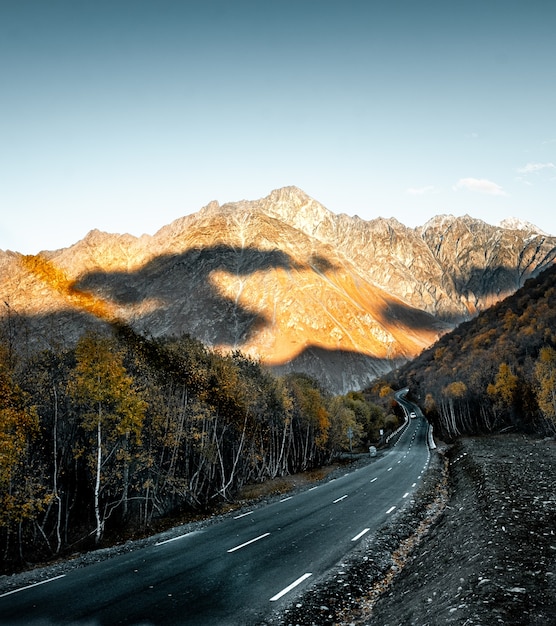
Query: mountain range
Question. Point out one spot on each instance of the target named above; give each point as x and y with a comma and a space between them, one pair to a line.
282, 279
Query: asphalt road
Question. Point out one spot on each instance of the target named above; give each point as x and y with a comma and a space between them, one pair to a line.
236, 571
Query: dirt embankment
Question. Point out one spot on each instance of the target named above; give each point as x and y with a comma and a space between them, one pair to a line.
476, 547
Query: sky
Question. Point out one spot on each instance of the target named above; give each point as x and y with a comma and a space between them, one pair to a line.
124, 115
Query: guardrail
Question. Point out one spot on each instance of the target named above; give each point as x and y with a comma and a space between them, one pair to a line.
399, 429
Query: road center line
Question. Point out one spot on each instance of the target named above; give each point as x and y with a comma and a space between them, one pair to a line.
243, 515
340, 499
363, 532
290, 587
373, 480
389, 469
42, 582
248, 542
390, 510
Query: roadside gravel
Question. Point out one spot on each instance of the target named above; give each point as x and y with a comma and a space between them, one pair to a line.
477, 546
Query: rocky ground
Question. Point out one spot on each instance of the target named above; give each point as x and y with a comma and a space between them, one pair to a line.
476, 546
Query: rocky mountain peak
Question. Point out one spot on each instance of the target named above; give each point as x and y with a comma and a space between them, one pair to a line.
295, 207
513, 223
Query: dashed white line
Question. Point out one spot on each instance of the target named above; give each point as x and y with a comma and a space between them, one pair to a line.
248, 542
405, 494
316, 487
42, 582
340, 499
243, 515
160, 543
363, 532
286, 499
390, 510
373, 480
290, 587
389, 469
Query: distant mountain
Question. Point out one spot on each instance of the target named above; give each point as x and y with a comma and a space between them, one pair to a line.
282, 279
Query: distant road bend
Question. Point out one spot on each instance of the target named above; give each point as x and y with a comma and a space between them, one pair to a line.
239, 570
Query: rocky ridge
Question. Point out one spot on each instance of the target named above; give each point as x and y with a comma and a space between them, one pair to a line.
282, 278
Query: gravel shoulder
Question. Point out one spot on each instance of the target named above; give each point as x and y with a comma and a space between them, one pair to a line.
476, 546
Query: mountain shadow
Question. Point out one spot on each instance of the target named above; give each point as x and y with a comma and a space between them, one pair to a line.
171, 294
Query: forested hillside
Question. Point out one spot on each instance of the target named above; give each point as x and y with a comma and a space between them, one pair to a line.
112, 436
497, 371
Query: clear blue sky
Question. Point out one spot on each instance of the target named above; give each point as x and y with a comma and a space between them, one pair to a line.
123, 115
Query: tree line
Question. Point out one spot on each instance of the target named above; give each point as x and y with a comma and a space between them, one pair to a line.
496, 372
120, 431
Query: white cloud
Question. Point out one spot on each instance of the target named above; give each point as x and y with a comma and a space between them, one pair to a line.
419, 191
531, 168
480, 185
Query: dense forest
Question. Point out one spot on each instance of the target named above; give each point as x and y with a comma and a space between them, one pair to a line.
107, 438
496, 372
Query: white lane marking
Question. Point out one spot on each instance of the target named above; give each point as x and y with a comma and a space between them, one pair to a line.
363, 532
42, 582
390, 510
248, 542
405, 494
373, 480
286, 499
290, 587
340, 499
243, 515
389, 469
160, 543
313, 488
413, 485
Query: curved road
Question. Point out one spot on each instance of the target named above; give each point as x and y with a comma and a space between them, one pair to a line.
236, 571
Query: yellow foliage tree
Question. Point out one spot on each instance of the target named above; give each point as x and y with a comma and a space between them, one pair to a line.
545, 391
504, 388
111, 410
21, 496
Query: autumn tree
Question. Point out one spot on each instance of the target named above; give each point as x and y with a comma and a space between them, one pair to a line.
44, 378
503, 391
22, 494
450, 407
311, 421
111, 411
545, 389
345, 432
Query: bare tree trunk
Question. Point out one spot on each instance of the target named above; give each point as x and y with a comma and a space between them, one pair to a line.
55, 477
98, 533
